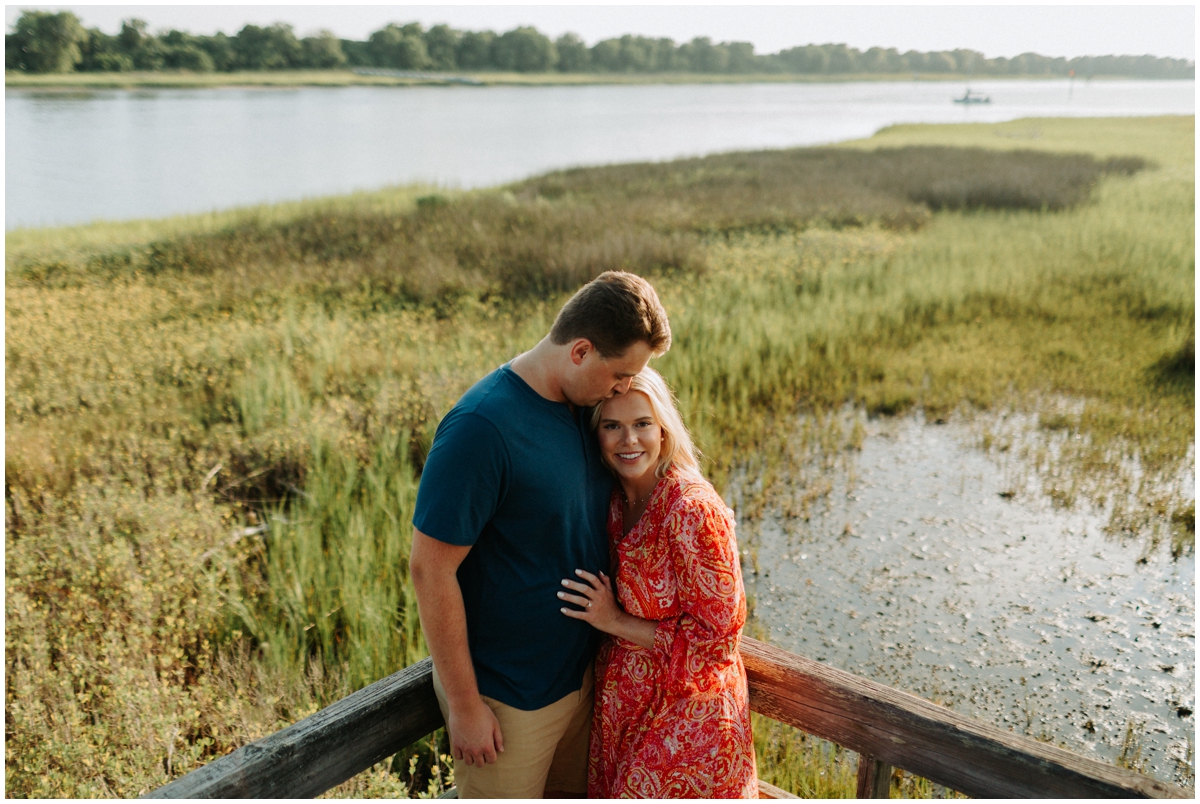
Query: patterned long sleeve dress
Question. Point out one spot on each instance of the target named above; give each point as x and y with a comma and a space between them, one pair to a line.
673, 721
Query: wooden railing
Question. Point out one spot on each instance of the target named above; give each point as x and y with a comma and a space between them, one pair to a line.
888, 728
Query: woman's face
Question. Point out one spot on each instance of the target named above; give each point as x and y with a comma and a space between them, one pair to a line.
630, 436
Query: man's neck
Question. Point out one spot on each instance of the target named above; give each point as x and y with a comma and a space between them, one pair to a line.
537, 368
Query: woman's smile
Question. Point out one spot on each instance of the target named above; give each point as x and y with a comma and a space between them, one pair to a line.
631, 440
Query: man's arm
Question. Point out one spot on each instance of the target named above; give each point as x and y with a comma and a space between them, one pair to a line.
474, 731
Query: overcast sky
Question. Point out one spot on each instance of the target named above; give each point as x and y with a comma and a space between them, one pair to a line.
996, 30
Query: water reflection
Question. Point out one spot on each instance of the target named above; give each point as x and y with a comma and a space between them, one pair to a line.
921, 569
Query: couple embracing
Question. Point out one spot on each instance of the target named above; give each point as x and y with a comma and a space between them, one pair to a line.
578, 578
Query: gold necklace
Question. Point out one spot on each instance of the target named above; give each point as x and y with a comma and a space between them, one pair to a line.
635, 503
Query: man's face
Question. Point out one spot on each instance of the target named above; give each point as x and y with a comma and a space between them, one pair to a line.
597, 378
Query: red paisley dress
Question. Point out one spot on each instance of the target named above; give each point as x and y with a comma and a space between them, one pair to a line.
673, 721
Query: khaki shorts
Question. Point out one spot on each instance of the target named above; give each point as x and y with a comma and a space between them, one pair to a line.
546, 749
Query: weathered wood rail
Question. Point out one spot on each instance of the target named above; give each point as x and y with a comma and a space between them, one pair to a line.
887, 727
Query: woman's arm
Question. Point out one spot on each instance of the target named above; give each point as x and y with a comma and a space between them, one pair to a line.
599, 608
709, 584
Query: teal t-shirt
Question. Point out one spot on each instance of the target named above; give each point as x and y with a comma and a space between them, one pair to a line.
519, 478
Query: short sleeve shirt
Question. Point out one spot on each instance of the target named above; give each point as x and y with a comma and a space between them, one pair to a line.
519, 479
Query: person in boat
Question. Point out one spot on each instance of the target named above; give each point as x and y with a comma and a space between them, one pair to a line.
514, 496
672, 716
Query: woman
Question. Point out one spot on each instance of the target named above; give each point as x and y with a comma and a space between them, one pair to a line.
672, 716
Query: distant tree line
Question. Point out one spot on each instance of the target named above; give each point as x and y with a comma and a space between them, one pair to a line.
44, 42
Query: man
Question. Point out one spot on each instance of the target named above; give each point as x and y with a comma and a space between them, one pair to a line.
513, 499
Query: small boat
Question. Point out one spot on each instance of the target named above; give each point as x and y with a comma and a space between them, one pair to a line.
975, 97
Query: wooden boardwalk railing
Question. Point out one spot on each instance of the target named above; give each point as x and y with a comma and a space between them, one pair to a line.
888, 728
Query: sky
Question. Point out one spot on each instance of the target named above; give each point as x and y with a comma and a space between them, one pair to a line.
994, 30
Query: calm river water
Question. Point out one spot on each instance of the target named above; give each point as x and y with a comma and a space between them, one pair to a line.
73, 157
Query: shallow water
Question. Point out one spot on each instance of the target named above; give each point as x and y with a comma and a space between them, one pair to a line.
915, 571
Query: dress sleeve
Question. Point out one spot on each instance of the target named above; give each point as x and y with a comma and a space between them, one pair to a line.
704, 637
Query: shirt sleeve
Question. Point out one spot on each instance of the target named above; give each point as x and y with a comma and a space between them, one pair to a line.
704, 637
463, 481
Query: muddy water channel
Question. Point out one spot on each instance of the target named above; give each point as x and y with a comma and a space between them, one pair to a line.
934, 567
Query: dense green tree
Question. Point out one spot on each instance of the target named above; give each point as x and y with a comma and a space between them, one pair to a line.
322, 51
441, 42
941, 62
190, 57
219, 48
573, 54
875, 60
969, 61
143, 49
916, 61
741, 57
272, 48
1141, 66
475, 50
401, 48
182, 51
814, 59
637, 54
628, 54
842, 59
46, 43
358, 54
666, 55
690, 58
524, 50
151, 56
661, 54
101, 53
606, 56
701, 56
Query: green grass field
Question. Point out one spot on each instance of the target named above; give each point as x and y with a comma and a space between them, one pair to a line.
215, 423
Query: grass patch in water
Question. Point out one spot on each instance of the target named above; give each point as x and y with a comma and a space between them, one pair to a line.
212, 445
554, 232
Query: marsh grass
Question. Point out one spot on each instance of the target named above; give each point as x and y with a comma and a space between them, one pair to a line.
552, 233
214, 425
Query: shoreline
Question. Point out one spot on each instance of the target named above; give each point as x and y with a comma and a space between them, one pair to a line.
397, 197
285, 79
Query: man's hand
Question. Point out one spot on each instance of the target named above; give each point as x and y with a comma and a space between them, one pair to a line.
475, 736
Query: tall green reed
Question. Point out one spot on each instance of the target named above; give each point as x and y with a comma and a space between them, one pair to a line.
336, 566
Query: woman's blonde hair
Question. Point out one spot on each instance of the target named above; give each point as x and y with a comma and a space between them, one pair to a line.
677, 447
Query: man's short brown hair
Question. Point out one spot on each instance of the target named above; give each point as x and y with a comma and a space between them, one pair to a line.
614, 311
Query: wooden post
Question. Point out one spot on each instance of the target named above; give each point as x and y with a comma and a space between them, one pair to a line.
874, 778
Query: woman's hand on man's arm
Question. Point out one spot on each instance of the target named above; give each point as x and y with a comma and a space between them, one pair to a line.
598, 607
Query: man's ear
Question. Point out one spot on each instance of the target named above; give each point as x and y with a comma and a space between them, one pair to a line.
580, 349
